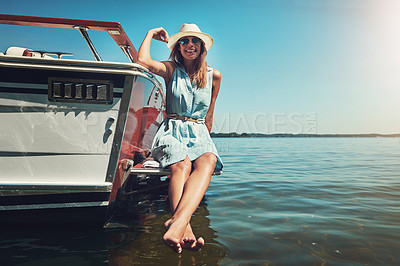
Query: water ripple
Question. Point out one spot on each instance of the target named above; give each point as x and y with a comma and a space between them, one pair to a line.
309, 201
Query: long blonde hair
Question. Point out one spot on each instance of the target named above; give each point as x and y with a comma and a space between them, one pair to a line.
200, 64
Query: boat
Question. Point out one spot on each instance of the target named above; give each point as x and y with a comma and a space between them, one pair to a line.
71, 129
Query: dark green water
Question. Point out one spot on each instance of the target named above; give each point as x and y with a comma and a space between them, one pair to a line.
280, 201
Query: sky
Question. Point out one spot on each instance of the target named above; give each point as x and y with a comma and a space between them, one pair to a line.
291, 66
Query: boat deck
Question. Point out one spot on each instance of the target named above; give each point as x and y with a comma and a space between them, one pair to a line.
158, 171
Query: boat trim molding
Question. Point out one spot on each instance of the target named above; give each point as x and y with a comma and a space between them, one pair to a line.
55, 205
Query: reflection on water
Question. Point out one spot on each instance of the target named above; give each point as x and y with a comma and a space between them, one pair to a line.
49, 245
148, 248
278, 202
140, 242
133, 236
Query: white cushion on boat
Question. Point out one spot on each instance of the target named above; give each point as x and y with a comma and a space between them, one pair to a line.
151, 164
19, 51
15, 51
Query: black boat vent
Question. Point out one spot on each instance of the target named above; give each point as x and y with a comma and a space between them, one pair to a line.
80, 90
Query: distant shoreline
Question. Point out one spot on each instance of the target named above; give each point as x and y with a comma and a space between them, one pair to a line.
290, 135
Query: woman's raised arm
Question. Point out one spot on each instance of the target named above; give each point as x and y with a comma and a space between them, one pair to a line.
144, 58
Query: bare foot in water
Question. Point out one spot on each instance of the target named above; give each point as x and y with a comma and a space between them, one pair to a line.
175, 232
188, 241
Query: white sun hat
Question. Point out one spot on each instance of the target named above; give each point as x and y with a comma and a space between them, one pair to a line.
190, 30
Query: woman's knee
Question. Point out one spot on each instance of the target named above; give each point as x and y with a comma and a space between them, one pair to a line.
208, 158
211, 158
182, 166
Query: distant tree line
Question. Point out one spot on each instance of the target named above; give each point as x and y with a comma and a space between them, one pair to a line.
290, 135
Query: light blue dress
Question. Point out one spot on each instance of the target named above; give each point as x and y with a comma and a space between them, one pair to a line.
176, 139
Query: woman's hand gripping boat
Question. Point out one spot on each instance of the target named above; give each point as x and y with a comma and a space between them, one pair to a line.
70, 128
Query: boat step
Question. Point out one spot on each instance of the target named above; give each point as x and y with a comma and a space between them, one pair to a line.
157, 171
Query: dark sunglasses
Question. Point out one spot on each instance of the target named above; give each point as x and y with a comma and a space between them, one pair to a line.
185, 41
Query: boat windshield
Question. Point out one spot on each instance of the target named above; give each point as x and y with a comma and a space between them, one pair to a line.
60, 42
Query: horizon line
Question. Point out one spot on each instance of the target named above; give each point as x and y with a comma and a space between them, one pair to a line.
309, 134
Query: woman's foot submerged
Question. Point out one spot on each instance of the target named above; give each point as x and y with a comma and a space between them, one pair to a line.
175, 231
187, 240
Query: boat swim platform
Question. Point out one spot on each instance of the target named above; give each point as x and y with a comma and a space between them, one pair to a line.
143, 177
158, 171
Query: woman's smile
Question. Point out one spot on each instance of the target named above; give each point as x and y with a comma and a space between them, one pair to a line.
190, 52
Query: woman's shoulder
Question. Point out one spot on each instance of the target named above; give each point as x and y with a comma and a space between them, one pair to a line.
216, 74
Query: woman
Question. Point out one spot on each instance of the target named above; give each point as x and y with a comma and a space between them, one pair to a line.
183, 142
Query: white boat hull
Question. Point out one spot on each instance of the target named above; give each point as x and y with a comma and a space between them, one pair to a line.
62, 153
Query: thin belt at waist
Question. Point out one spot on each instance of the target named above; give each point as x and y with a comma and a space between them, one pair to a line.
185, 118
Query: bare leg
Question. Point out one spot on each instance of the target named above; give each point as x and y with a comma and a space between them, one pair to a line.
179, 174
192, 191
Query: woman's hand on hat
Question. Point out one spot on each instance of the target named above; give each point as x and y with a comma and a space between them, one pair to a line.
160, 34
